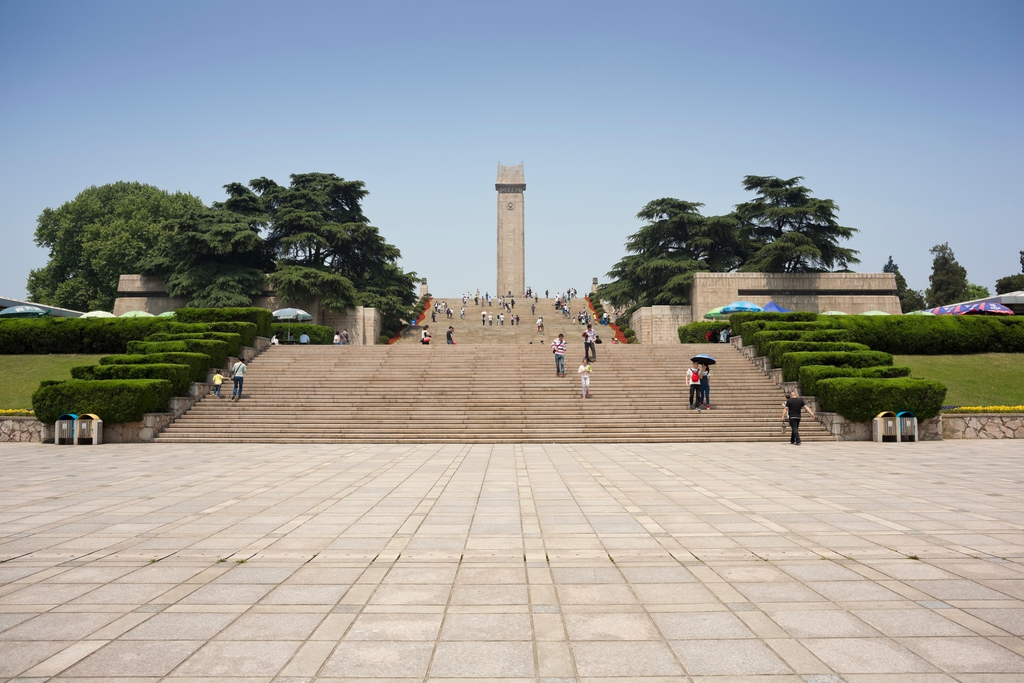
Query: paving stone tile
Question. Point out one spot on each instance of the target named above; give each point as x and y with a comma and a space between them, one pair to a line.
966, 655
21, 655
822, 624
610, 626
291, 626
123, 594
624, 659
228, 594
476, 659
181, 626
728, 658
239, 658
1010, 620
778, 591
866, 656
700, 625
372, 659
911, 622
485, 627
479, 594
304, 594
395, 627
134, 658
59, 626
47, 593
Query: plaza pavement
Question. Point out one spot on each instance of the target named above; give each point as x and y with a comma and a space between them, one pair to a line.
733, 562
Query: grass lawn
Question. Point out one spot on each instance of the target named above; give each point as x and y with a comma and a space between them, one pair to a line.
985, 379
20, 375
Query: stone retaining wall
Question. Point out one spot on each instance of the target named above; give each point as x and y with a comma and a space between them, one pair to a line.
20, 429
847, 430
983, 426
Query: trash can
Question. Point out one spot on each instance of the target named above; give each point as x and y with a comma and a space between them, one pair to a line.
884, 428
64, 430
908, 426
89, 430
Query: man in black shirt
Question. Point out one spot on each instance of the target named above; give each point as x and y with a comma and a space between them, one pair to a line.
450, 335
794, 406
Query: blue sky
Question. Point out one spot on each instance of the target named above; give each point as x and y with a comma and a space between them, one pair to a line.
909, 115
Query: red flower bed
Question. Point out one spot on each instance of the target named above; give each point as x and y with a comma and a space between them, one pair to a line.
419, 319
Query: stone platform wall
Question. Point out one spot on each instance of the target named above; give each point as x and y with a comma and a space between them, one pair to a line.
983, 426
18, 429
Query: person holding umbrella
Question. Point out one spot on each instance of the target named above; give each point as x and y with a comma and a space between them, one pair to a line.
702, 362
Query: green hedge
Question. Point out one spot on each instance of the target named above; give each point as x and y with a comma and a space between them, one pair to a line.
763, 338
737, 320
114, 400
75, 335
696, 333
777, 349
318, 334
215, 349
810, 375
245, 330
930, 335
261, 317
199, 364
860, 399
178, 375
792, 362
234, 341
749, 329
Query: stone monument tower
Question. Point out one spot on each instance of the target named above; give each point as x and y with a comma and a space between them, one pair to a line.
511, 253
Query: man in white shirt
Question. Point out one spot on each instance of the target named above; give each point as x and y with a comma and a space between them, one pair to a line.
237, 377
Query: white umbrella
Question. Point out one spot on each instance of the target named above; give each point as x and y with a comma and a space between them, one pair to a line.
97, 314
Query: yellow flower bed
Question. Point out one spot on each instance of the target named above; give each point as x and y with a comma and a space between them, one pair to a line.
15, 412
986, 409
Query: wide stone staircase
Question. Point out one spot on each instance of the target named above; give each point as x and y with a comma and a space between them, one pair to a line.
489, 393
471, 331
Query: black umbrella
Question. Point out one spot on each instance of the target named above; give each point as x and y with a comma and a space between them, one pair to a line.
704, 359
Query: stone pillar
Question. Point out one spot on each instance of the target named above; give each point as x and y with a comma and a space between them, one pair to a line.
511, 185
423, 287
593, 286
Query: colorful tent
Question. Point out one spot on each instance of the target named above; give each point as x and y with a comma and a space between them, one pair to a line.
981, 308
772, 307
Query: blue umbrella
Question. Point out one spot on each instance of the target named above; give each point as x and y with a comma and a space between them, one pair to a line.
772, 307
742, 307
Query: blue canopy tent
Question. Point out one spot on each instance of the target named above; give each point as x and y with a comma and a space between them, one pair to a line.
772, 307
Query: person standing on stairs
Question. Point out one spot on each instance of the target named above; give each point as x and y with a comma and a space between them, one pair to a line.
589, 347
449, 336
584, 372
705, 386
693, 379
490, 319
558, 348
794, 406
483, 318
237, 377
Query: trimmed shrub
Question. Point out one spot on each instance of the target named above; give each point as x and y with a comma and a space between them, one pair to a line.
860, 399
777, 349
696, 333
261, 317
318, 334
749, 329
215, 349
793, 361
178, 375
198, 363
234, 341
737, 320
810, 375
761, 339
75, 335
114, 400
246, 330
931, 335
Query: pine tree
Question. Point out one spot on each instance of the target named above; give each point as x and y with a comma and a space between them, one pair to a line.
948, 279
910, 299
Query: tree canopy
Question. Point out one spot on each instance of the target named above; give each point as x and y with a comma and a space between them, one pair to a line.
948, 281
1012, 283
910, 299
103, 232
783, 229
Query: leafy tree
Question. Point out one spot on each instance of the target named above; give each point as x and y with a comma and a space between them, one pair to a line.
215, 257
948, 279
326, 250
977, 292
104, 232
791, 231
1012, 283
910, 299
676, 242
